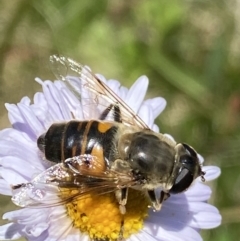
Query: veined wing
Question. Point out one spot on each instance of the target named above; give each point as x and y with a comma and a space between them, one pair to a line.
90, 90
59, 185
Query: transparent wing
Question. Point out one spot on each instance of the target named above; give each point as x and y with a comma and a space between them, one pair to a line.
42, 189
58, 184
93, 93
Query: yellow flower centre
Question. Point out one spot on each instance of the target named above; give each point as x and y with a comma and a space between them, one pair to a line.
99, 215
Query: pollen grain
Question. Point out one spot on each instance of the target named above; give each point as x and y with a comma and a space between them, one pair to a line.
99, 215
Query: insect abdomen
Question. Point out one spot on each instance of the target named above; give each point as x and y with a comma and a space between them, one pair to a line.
74, 138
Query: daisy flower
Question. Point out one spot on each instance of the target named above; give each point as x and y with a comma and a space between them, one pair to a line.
181, 217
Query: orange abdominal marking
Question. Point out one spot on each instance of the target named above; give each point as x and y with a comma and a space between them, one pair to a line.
104, 127
97, 151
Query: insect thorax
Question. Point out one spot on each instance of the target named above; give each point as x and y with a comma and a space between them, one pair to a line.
149, 155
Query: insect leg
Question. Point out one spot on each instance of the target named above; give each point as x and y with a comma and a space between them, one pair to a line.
156, 204
121, 196
105, 112
164, 196
116, 113
124, 195
121, 238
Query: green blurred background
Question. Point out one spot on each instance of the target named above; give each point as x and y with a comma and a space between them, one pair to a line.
189, 49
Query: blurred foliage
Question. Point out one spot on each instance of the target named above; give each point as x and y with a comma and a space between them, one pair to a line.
189, 49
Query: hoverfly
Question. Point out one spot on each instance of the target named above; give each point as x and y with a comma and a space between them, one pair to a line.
112, 153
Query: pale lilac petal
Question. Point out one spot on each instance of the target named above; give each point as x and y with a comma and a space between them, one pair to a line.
146, 115
137, 92
12, 177
54, 111
155, 128
59, 216
16, 136
34, 221
57, 89
25, 101
29, 117
23, 216
37, 229
10, 162
212, 172
123, 92
10, 231
114, 85
40, 108
23, 119
206, 220
157, 104
143, 235
73, 104
198, 192
75, 235
12, 148
178, 233
16, 118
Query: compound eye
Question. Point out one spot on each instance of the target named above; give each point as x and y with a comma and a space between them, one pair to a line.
182, 182
185, 175
190, 150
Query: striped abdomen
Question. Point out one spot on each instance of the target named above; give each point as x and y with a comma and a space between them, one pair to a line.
74, 138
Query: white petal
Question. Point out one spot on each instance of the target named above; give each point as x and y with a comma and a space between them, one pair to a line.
155, 128
146, 115
12, 177
114, 86
20, 150
10, 231
25, 101
12, 164
169, 232
34, 222
137, 93
123, 92
212, 172
53, 111
30, 119
14, 215
17, 136
76, 235
36, 230
142, 236
61, 100
16, 118
200, 158
197, 192
60, 232
206, 220
157, 104
73, 104
40, 107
